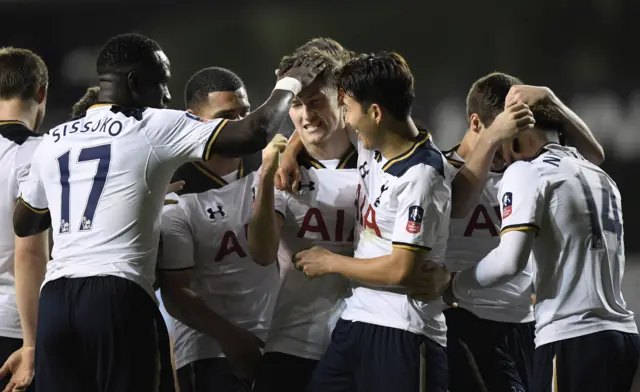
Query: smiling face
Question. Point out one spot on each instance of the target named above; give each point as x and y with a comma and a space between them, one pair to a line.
363, 121
316, 113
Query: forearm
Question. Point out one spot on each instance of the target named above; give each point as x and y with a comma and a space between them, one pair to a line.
29, 269
470, 179
578, 133
498, 267
294, 146
252, 133
264, 233
378, 271
191, 310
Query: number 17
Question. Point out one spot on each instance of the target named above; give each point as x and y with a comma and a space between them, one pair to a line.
103, 155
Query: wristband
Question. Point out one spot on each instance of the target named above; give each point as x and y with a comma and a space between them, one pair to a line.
289, 84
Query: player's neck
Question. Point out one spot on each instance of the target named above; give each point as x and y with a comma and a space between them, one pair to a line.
18, 110
221, 165
466, 145
398, 138
333, 147
111, 93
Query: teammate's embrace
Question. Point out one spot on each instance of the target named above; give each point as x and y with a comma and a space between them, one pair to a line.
102, 178
494, 325
565, 212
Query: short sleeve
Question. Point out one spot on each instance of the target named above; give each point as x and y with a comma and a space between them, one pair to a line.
175, 134
22, 164
424, 201
31, 189
177, 239
521, 201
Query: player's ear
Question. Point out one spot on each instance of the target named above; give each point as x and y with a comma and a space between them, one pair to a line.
375, 112
133, 82
475, 125
41, 94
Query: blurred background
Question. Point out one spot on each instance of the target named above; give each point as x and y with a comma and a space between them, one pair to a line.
583, 49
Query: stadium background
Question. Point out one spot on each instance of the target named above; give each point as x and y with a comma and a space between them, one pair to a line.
585, 50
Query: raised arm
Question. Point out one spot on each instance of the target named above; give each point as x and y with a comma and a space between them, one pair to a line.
576, 130
470, 179
252, 133
266, 223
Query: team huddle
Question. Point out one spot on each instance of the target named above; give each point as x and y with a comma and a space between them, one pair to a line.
353, 255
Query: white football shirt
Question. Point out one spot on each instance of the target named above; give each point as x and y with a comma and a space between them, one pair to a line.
103, 178
470, 240
321, 214
402, 202
17, 145
579, 251
207, 233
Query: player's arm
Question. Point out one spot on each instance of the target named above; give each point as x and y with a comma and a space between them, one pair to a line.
174, 270
522, 203
578, 133
422, 210
268, 216
470, 179
30, 260
575, 129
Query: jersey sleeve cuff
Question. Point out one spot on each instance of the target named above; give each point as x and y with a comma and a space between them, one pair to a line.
32, 208
521, 227
413, 247
212, 139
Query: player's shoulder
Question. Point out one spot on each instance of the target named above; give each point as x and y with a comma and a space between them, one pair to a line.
421, 159
523, 171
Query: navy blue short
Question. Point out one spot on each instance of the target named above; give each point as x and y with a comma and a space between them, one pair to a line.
605, 361
487, 355
366, 357
213, 374
281, 372
102, 334
7, 347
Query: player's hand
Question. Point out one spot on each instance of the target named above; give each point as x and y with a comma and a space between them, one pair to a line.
529, 95
288, 174
306, 70
20, 365
429, 281
173, 188
242, 348
508, 124
271, 154
314, 262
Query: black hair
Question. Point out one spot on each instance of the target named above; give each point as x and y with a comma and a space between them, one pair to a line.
125, 52
207, 81
382, 78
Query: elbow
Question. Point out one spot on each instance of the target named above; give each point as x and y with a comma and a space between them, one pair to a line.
598, 156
